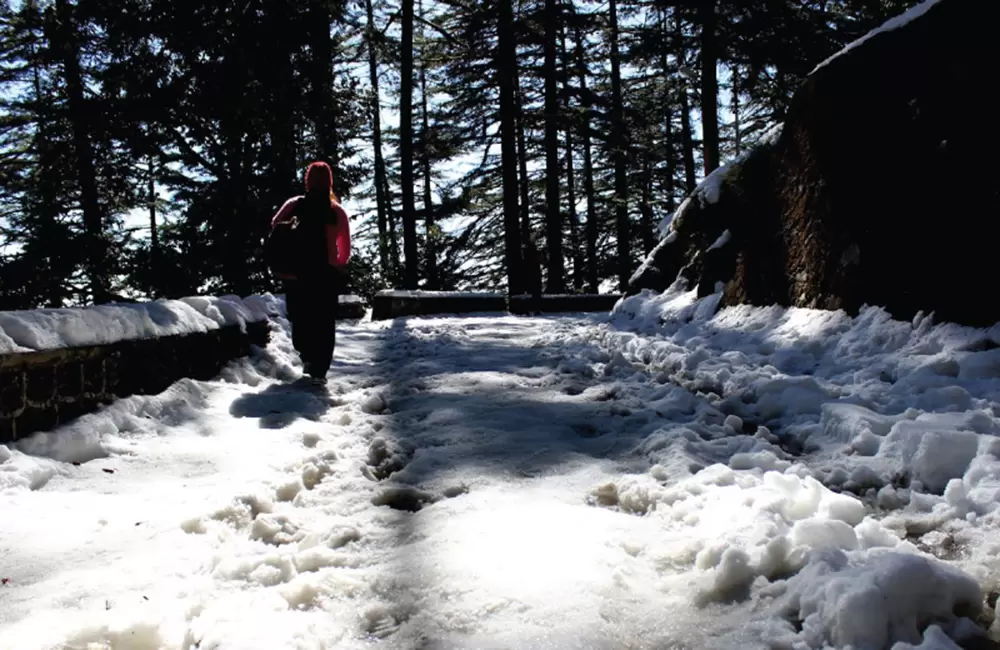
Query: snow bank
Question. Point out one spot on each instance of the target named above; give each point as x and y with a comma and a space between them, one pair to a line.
904, 417
47, 329
825, 572
97, 435
893, 23
875, 600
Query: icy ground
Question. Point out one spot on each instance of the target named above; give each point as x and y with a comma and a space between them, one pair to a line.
760, 478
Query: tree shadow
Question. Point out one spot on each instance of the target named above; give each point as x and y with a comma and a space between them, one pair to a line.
465, 407
495, 403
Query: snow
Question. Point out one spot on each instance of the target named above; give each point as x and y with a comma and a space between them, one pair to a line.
895, 22
710, 189
669, 475
707, 192
47, 329
722, 240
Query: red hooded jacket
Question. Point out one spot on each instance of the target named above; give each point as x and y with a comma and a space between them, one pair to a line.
319, 177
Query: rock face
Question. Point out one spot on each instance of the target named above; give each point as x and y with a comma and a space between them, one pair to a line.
882, 187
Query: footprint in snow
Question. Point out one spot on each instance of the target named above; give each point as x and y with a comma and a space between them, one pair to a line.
405, 498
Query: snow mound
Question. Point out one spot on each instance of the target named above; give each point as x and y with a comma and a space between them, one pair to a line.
97, 435
868, 601
19, 471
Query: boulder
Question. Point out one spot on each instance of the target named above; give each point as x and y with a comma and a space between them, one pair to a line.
881, 187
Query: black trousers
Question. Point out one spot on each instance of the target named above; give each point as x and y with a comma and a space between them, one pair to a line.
311, 305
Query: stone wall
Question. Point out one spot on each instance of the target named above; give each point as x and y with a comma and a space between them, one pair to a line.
40, 390
563, 303
396, 304
351, 307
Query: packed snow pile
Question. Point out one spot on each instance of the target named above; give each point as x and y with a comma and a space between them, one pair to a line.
47, 329
903, 417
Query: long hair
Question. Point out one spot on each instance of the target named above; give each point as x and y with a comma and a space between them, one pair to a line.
319, 180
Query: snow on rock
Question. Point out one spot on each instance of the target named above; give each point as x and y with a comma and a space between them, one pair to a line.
46, 329
721, 241
893, 23
780, 199
682, 231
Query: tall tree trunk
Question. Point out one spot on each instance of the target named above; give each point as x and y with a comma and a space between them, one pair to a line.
322, 100
574, 218
553, 210
619, 142
81, 123
737, 127
522, 164
381, 180
281, 84
395, 270
668, 127
431, 270
507, 74
155, 266
411, 273
593, 283
50, 286
709, 85
687, 143
235, 268
646, 207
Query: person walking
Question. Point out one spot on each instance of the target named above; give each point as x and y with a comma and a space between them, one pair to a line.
317, 248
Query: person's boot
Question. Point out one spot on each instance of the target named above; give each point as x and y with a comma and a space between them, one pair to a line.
316, 371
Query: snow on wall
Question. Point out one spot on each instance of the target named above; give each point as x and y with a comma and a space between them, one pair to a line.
47, 329
889, 25
400, 293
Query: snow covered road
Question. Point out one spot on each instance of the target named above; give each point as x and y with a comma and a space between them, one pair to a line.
760, 478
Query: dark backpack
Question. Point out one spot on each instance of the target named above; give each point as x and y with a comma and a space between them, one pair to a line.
297, 247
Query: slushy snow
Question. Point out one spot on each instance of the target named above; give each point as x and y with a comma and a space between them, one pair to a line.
665, 476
